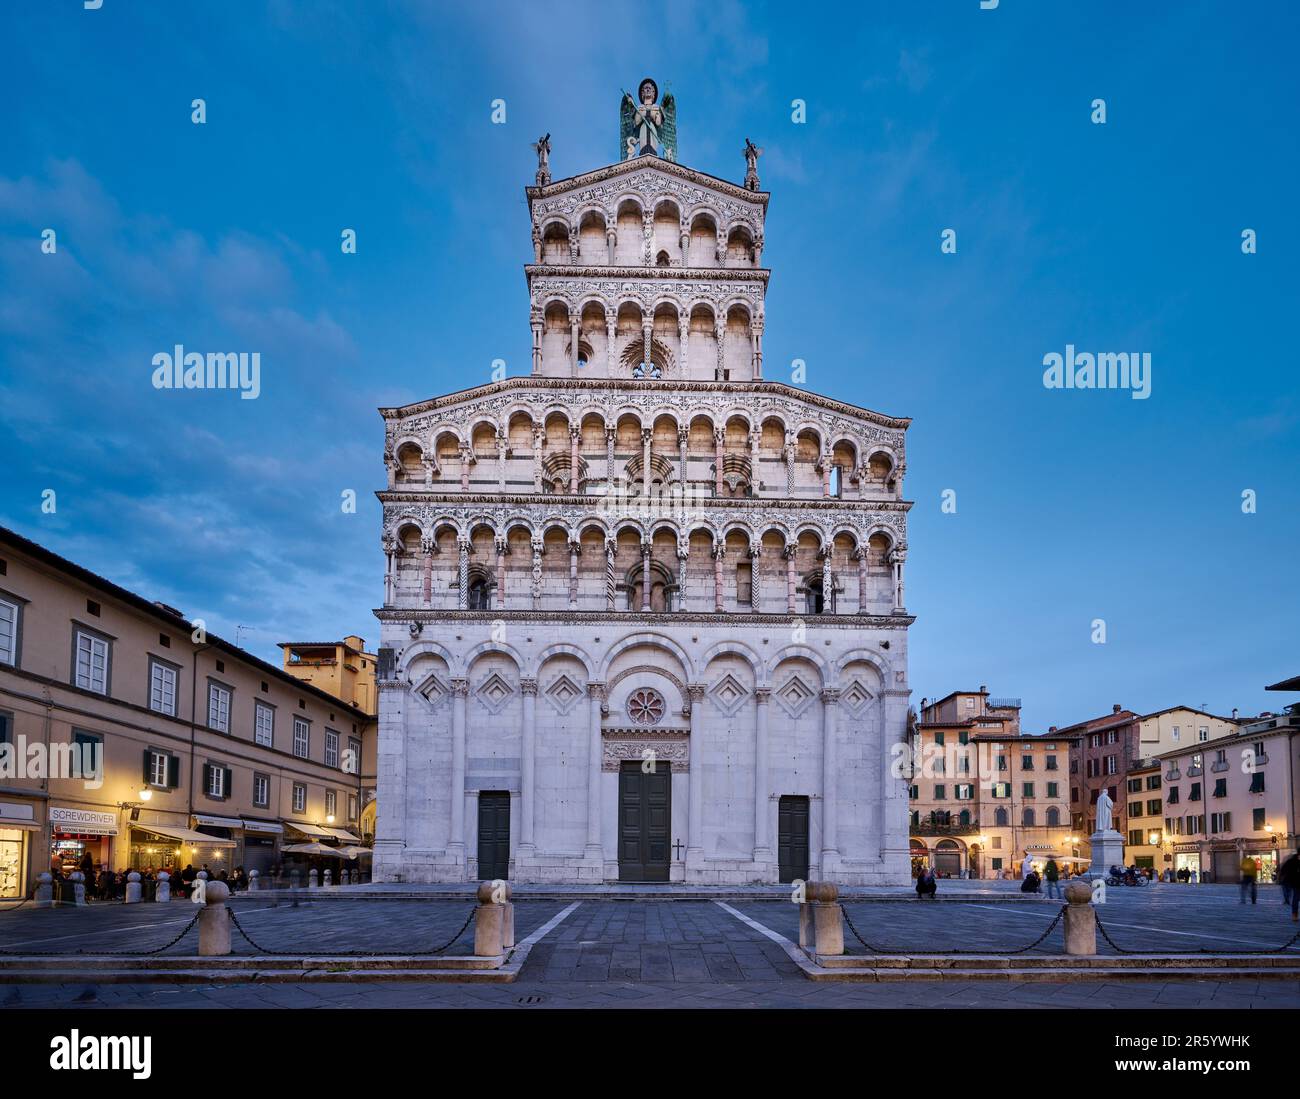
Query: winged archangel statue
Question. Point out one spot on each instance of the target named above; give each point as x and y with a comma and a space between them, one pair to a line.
647, 126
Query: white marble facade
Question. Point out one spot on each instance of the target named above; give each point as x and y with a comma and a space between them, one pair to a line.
643, 551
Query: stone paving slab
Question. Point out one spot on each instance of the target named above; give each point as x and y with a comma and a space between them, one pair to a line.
309, 928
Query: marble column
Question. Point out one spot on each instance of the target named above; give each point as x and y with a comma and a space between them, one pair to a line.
460, 701
757, 330
719, 439
645, 576
610, 477
502, 448
683, 343
527, 769
695, 814
539, 448
501, 546
611, 339
537, 573
391, 757
755, 578
595, 756
720, 337
788, 553
788, 452
896, 559
860, 555
719, 594
826, 476
645, 463
647, 337
466, 459
611, 242
830, 774
462, 546
683, 438
755, 443
536, 325
575, 436
611, 547
762, 844
574, 547
390, 553
828, 578
428, 547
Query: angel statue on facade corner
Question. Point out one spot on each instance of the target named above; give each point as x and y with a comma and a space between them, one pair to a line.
647, 127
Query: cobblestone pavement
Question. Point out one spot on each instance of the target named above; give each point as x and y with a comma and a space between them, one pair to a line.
684, 954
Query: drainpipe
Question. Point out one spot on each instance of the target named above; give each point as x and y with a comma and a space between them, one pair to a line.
194, 677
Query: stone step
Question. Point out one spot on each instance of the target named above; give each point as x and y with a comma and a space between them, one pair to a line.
1062, 974
617, 893
209, 975
1022, 962
91, 963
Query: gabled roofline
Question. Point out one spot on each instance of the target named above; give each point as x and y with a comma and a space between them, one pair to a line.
649, 160
667, 385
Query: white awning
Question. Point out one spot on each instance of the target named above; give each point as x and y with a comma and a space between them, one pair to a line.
185, 835
22, 825
218, 822
263, 826
310, 830
343, 834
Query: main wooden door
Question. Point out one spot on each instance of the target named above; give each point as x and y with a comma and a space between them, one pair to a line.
644, 818
493, 835
792, 838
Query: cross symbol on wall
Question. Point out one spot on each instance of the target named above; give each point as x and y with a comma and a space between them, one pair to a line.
677, 850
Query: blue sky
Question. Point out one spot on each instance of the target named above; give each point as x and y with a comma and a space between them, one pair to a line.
1071, 505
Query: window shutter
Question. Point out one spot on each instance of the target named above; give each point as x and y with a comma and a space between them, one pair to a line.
207, 780
148, 765
227, 785
173, 771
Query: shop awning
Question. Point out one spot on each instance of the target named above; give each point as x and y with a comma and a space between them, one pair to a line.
185, 835
310, 830
25, 825
218, 822
343, 834
263, 826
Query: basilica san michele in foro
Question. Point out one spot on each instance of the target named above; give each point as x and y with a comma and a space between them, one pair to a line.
643, 613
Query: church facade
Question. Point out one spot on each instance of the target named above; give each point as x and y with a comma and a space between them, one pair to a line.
643, 615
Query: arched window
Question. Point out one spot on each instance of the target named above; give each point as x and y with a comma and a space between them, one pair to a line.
1028, 820
1000, 818
837, 482
662, 260
963, 818
480, 594
815, 601
1053, 817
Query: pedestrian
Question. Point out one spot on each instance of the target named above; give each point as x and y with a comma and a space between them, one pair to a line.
1053, 876
1249, 871
926, 886
1289, 877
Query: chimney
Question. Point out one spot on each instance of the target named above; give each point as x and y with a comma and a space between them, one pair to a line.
1234, 713
1051, 728
983, 689
1116, 708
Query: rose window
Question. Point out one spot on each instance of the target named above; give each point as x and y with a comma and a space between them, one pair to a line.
645, 707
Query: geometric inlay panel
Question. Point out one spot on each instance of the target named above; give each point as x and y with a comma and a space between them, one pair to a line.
563, 694
729, 694
855, 698
495, 693
795, 696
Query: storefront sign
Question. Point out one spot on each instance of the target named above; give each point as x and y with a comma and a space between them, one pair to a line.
87, 822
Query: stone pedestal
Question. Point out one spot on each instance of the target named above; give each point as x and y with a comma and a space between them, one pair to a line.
45, 891
494, 920
254, 881
1107, 851
133, 887
821, 922
78, 887
214, 922
1080, 920
164, 891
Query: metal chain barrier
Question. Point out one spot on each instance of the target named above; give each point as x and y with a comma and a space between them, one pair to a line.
1020, 950
350, 953
104, 953
1199, 950
14, 908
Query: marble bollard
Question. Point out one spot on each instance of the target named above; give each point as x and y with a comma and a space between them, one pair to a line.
78, 887
494, 920
164, 891
45, 890
214, 921
254, 881
329, 877
311, 879
821, 921
1080, 920
133, 887
345, 877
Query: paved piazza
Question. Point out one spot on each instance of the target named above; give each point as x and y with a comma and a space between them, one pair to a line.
681, 953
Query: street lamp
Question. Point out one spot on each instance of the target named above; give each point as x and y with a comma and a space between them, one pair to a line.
1153, 838
146, 794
